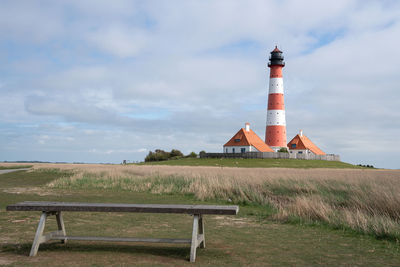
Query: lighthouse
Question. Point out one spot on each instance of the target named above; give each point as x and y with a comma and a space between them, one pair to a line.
275, 132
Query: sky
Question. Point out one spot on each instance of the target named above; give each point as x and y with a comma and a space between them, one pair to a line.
107, 81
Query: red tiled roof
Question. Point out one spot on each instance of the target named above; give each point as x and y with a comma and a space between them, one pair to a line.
249, 138
302, 142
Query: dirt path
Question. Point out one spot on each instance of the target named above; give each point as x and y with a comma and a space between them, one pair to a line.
13, 170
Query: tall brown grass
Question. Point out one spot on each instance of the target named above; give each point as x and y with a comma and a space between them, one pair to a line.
364, 200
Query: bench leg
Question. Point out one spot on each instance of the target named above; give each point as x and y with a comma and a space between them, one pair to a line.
61, 227
38, 235
198, 237
201, 233
194, 238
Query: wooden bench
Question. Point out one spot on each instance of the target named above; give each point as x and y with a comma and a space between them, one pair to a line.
56, 208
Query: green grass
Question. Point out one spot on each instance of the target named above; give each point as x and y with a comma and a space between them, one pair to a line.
250, 239
36, 178
15, 167
255, 163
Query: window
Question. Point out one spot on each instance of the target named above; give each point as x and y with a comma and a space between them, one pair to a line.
293, 145
237, 140
242, 150
300, 152
233, 150
226, 150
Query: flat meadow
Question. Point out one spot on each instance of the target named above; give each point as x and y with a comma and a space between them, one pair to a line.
358, 204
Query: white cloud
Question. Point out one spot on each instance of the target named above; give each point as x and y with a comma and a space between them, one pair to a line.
103, 8
27, 20
119, 40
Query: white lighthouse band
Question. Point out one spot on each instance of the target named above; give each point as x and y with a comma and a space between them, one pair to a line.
276, 85
276, 117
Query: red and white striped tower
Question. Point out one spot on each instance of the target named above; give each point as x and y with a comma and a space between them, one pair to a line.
275, 133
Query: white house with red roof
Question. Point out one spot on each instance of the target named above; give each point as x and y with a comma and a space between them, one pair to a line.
246, 140
300, 144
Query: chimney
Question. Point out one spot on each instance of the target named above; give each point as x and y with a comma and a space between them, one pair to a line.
301, 132
247, 127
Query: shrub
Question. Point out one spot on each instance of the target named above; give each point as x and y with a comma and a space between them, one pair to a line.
175, 153
283, 150
159, 155
366, 166
192, 155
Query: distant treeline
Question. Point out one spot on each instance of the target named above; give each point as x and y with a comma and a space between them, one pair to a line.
366, 166
160, 155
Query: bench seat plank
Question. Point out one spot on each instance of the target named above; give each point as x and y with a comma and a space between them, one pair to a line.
113, 207
123, 239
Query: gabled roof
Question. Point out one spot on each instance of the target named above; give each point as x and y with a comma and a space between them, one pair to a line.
250, 138
302, 142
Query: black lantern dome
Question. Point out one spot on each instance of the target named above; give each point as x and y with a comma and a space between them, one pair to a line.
276, 58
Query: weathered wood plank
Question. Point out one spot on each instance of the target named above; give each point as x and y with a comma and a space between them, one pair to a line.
194, 243
38, 235
61, 226
123, 239
113, 207
202, 243
46, 237
200, 239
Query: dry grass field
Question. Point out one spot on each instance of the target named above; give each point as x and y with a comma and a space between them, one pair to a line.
311, 203
367, 201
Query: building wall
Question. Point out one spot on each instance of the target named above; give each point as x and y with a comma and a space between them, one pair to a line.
229, 149
300, 151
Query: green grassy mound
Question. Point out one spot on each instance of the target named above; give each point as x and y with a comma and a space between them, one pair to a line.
255, 163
